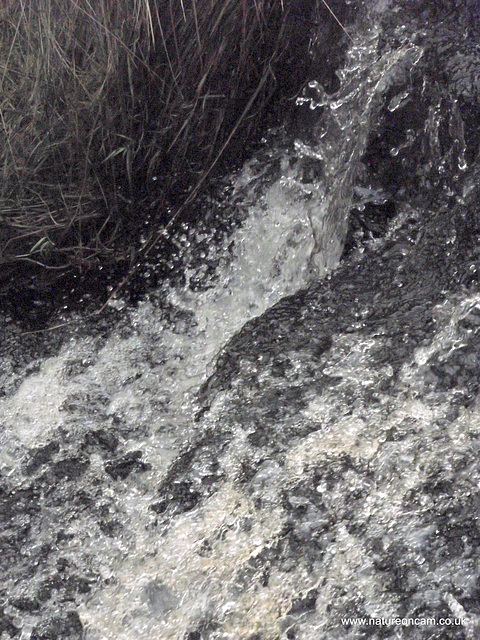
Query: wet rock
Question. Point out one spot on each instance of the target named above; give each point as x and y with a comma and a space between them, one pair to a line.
120, 468
85, 403
42, 456
70, 468
333, 470
101, 440
181, 498
65, 627
76, 367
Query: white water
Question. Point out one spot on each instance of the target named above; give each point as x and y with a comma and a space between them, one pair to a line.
350, 115
288, 223
145, 376
149, 370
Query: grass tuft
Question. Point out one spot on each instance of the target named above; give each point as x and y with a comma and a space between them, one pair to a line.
117, 109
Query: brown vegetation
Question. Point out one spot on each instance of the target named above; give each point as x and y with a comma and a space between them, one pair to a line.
114, 110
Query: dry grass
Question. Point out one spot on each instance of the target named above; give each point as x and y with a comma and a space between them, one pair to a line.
111, 105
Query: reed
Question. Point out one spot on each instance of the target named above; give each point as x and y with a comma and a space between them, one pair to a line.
117, 110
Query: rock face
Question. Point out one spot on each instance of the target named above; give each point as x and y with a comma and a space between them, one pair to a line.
346, 417
351, 412
328, 485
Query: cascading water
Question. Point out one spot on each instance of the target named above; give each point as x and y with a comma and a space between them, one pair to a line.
223, 461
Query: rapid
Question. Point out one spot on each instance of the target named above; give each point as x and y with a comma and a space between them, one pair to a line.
274, 445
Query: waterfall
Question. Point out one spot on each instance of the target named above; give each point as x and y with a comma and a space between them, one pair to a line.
285, 445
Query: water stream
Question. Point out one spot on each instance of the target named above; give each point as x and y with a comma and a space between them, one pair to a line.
294, 441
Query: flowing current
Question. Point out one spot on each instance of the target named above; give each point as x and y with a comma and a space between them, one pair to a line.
285, 448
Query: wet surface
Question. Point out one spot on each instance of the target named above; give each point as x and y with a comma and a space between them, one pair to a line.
176, 471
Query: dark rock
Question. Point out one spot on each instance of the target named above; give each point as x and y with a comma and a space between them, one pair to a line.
42, 455
181, 498
102, 440
65, 627
70, 468
122, 467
